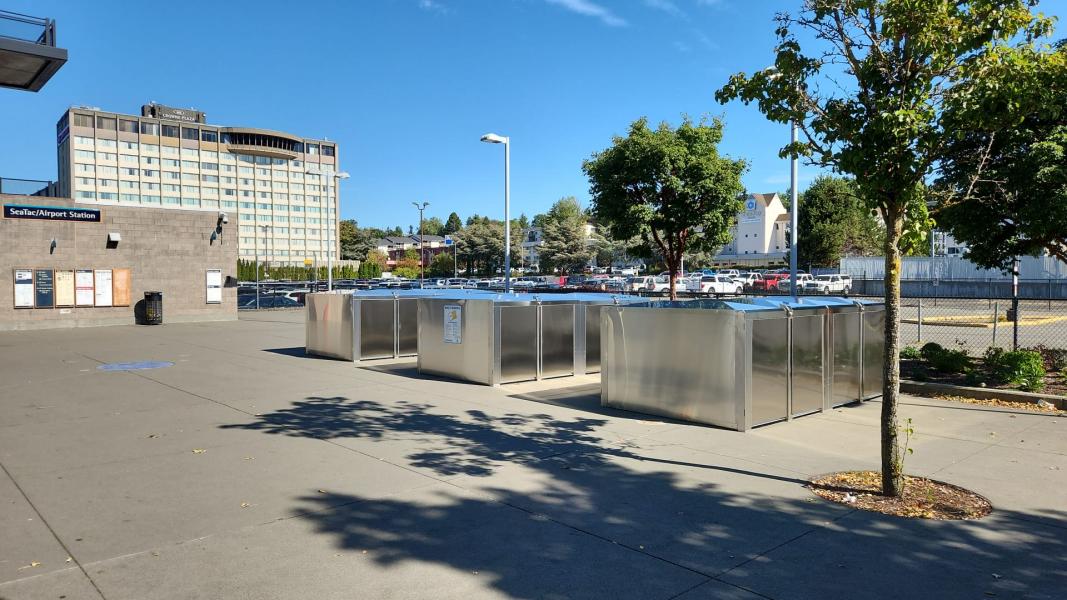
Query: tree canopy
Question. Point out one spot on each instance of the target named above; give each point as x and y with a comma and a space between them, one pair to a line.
453, 225
833, 222
667, 187
870, 101
566, 246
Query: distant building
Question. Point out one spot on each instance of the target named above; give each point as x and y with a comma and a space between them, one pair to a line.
394, 247
760, 234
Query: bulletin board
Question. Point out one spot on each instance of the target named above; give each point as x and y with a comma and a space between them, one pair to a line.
214, 286
120, 283
102, 285
84, 294
44, 288
64, 288
23, 288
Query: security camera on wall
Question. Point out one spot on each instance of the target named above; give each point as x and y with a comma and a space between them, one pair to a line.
223, 218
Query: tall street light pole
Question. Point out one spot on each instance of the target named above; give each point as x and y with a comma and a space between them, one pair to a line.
794, 201
493, 138
422, 246
325, 177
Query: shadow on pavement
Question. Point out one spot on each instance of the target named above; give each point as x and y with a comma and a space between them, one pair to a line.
597, 518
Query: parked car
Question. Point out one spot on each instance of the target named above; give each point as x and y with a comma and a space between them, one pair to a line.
658, 285
749, 280
802, 278
730, 272
829, 284
717, 285
268, 301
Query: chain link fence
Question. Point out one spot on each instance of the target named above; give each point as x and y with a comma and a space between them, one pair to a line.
976, 324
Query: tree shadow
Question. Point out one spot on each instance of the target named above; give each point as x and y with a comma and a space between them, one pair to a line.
543, 507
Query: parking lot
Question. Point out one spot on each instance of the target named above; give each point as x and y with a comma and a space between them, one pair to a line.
247, 470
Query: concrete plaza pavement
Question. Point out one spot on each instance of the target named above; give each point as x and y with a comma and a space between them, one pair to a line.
247, 470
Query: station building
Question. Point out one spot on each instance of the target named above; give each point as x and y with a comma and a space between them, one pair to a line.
68, 264
760, 235
277, 188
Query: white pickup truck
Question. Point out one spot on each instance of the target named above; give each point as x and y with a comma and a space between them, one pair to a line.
829, 284
715, 284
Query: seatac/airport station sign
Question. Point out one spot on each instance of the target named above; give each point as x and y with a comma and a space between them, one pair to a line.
51, 213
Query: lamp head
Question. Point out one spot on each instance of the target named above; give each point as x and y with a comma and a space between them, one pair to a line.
493, 138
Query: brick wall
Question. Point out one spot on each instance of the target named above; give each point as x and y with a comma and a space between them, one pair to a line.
166, 250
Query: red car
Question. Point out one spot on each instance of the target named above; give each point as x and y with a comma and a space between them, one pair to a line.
770, 280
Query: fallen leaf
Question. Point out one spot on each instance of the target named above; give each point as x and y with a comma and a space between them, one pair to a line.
152, 435
199, 451
31, 565
69, 559
245, 505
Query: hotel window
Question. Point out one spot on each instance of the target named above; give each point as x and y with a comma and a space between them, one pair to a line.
81, 140
263, 217
296, 176
106, 182
229, 180
128, 126
227, 157
106, 196
312, 199
281, 185
281, 219
248, 205
263, 172
190, 164
297, 243
85, 195
190, 153
246, 158
262, 160
298, 231
171, 175
167, 162
128, 171
106, 156
298, 209
263, 206
284, 230
229, 192
190, 133
209, 136
82, 120
297, 219
246, 194
151, 160
311, 148
210, 178
107, 123
207, 203
278, 162
327, 150
262, 183
130, 158
169, 150
190, 189
149, 128
296, 164
209, 166
229, 204
246, 170
171, 188
228, 169
209, 191
129, 185
190, 177
281, 208
152, 199
190, 201
130, 198
128, 145
281, 197
296, 197
149, 173
209, 154
171, 200
169, 131
89, 181
247, 217
146, 186
106, 143
80, 168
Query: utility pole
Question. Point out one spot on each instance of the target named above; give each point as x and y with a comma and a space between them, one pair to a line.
422, 245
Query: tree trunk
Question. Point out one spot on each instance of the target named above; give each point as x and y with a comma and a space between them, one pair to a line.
892, 461
672, 272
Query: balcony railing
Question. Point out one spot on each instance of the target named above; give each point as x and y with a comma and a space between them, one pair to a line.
27, 29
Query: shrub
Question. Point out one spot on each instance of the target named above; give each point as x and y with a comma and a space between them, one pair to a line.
910, 353
1055, 359
1024, 368
929, 349
950, 361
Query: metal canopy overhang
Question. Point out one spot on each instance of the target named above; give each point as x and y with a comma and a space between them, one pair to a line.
28, 66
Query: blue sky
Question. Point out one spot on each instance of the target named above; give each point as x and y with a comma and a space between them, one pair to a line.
407, 87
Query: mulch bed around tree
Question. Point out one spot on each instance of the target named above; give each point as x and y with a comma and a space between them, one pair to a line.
922, 499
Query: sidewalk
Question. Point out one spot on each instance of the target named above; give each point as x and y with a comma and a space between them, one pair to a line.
247, 470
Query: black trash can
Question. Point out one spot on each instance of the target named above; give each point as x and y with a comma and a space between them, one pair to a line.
153, 308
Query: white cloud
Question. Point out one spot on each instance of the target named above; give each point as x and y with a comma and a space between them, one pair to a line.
666, 6
433, 6
591, 9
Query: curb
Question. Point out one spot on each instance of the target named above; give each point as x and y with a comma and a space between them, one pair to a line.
922, 388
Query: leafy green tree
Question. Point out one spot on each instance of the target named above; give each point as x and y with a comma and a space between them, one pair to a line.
453, 225
668, 187
833, 222
1003, 188
433, 226
357, 242
869, 101
523, 222
441, 265
566, 246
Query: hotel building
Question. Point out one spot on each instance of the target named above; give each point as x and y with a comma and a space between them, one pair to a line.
278, 189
